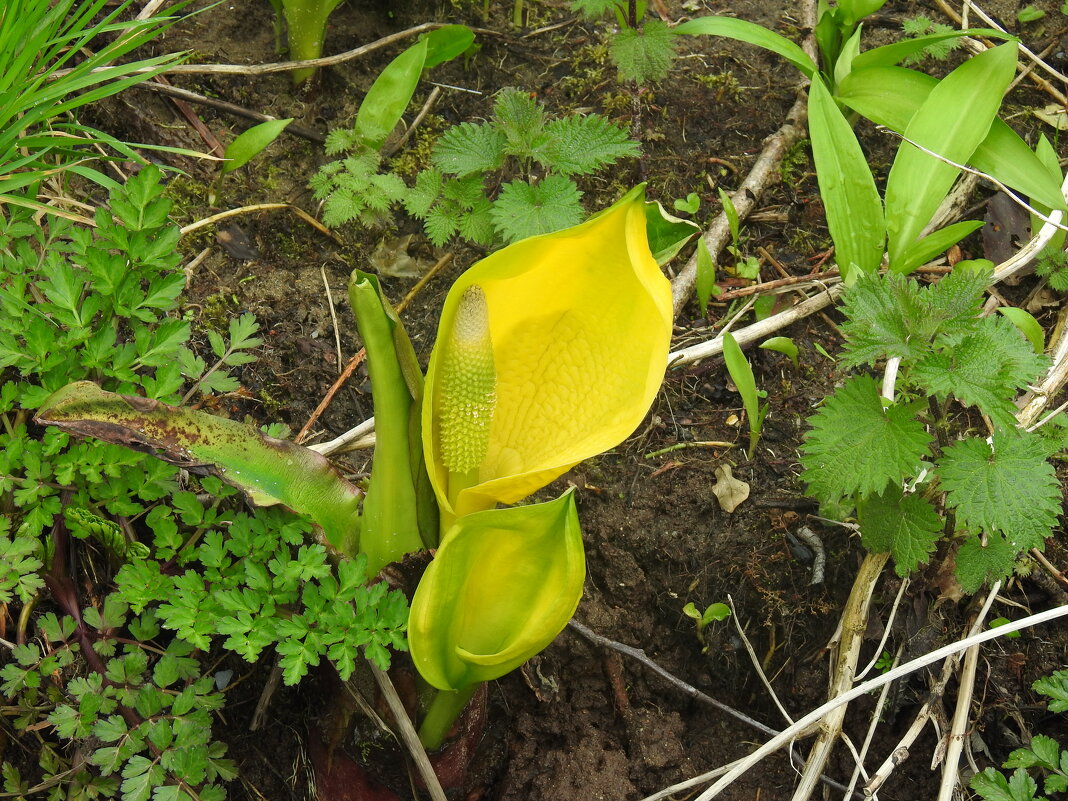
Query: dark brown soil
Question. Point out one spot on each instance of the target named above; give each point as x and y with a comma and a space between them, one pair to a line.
598, 725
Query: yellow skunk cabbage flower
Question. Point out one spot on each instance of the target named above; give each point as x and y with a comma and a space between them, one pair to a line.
549, 351
503, 584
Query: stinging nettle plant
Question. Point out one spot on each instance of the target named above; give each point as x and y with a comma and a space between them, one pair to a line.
993, 496
536, 367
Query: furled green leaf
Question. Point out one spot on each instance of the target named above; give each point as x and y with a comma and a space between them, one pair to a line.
847, 187
706, 276
668, 234
1007, 487
951, 122
855, 446
906, 525
268, 469
751, 33
523, 209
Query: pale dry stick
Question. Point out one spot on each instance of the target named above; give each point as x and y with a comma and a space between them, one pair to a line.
988, 20
869, 735
1034, 401
333, 315
966, 686
225, 215
756, 662
408, 734
854, 624
356, 438
287, 66
886, 630
428, 104
821, 711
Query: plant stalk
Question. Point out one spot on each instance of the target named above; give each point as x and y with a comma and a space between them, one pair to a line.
442, 714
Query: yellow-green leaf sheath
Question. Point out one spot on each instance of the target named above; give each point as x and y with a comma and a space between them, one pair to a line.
579, 323
502, 585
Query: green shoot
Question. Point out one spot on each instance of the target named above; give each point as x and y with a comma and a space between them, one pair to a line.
706, 276
246, 146
741, 373
712, 614
783, 345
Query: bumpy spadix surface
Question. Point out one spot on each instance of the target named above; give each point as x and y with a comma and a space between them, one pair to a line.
579, 324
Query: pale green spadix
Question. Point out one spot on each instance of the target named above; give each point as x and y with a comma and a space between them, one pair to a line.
469, 385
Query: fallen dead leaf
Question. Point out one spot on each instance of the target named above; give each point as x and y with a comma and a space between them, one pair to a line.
729, 491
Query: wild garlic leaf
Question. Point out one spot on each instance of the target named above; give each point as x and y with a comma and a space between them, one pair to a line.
644, 55
582, 145
523, 209
855, 447
1008, 487
468, 148
906, 525
984, 369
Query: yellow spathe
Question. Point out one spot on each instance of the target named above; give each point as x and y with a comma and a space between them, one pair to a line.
579, 323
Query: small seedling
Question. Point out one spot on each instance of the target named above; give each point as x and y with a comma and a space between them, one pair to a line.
690, 205
1030, 14
998, 622
245, 147
706, 276
741, 373
884, 662
702, 620
783, 345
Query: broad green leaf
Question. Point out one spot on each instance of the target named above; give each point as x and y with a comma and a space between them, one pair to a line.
890, 96
952, 121
249, 144
446, 43
731, 213
847, 187
857, 447
1006, 487
1045, 153
667, 233
924, 250
1027, 324
269, 470
783, 345
503, 584
389, 95
853, 11
891, 54
850, 50
750, 33
906, 525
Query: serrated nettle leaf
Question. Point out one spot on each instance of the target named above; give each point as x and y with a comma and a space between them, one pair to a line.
577, 145
1006, 487
857, 447
468, 148
521, 118
847, 187
524, 210
646, 54
269, 470
906, 525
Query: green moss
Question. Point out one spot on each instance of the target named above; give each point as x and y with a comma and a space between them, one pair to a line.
724, 84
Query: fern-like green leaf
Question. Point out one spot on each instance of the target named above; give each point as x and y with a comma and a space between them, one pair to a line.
522, 120
523, 209
984, 369
468, 148
906, 525
645, 55
582, 145
1054, 687
1008, 487
857, 447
